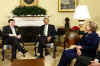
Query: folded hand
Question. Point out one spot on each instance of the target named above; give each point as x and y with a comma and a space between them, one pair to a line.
79, 53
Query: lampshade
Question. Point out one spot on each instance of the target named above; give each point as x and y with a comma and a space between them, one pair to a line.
81, 13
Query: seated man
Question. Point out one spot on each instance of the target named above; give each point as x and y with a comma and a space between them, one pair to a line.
12, 36
47, 34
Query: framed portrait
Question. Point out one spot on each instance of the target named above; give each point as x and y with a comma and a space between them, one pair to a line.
28, 2
67, 5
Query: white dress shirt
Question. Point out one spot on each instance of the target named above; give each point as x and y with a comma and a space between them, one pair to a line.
46, 30
13, 31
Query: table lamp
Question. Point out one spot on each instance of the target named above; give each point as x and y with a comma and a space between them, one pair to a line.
81, 13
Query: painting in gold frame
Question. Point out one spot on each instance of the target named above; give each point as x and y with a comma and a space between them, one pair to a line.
67, 5
28, 2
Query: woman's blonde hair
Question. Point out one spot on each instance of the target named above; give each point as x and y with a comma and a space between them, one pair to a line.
93, 26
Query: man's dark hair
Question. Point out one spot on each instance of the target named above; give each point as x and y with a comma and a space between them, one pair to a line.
67, 19
10, 20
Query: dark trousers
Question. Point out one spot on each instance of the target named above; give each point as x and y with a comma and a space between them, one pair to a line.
15, 43
42, 44
83, 61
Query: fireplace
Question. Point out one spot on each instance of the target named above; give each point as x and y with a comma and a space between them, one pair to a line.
29, 27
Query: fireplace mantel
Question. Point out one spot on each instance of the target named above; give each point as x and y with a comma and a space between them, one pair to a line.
28, 20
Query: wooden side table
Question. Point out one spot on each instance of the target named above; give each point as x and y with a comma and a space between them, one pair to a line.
60, 32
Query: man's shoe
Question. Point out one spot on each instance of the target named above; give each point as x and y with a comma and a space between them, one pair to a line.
47, 54
25, 51
40, 57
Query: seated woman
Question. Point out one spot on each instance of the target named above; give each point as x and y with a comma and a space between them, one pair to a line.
86, 46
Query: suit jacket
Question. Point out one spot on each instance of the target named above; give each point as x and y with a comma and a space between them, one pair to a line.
89, 43
51, 30
6, 31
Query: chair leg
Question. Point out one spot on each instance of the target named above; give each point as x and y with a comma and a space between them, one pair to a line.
54, 52
35, 51
3, 54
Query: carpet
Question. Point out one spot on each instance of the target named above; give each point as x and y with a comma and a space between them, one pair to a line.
28, 62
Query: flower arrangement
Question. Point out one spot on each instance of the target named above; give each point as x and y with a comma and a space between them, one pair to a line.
76, 28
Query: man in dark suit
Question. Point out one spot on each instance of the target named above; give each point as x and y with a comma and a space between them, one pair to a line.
12, 36
47, 35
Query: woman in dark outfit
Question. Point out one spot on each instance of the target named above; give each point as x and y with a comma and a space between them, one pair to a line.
87, 46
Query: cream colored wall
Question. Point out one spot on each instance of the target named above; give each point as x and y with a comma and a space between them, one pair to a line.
5, 9
56, 18
94, 10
